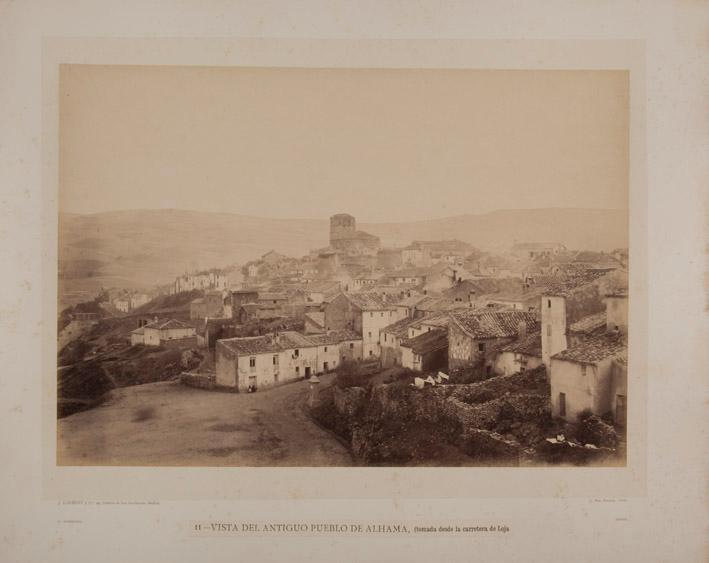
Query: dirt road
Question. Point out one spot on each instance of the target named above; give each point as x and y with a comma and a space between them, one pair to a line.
169, 424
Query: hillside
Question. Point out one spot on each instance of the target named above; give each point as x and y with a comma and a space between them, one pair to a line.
148, 247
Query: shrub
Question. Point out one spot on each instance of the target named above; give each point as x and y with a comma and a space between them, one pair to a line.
584, 415
349, 374
592, 430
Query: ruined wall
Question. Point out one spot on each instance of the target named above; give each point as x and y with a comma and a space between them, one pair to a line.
494, 419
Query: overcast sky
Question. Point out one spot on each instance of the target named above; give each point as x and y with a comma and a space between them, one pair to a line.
380, 144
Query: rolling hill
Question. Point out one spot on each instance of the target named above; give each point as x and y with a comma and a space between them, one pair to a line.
148, 247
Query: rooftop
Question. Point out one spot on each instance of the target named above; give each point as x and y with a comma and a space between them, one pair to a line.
369, 301
589, 324
493, 324
167, 324
333, 337
317, 317
401, 327
272, 295
531, 345
595, 349
427, 342
287, 340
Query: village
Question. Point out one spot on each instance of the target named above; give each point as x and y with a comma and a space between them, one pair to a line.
538, 329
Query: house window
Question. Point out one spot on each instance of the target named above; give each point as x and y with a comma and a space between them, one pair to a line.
371, 353
548, 303
385, 337
371, 315
562, 404
481, 347
583, 370
351, 345
325, 349
369, 334
296, 353
252, 362
275, 360
297, 371
549, 330
382, 314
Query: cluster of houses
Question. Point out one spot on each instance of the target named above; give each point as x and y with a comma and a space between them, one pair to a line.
214, 280
126, 301
431, 306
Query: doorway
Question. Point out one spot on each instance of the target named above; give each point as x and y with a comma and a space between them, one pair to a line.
307, 372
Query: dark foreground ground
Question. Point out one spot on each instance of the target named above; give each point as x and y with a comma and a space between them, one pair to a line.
170, 424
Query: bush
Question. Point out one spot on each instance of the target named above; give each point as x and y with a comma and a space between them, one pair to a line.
592, 430
349, 374
584, 415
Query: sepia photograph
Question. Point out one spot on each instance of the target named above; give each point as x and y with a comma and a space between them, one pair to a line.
358, 281
342, 267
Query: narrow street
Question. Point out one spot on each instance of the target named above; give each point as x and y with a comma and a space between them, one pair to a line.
170, 424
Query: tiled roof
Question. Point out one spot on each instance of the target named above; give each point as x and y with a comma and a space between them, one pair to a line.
411, 301
589, 324
494, 324
410, 273
427, 342
517, 296
138, 331
333, 337
535, 245
288, 340
621, 358
617, 292
401, 327
530, 346
439, 319
167, 324
594, 349
369, 301
435, 304
565, 284
271, 296
316, 317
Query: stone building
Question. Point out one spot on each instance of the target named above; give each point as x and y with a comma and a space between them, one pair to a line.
591, 372
209, 306
364, 313
346, 239
265, 361
476, 337
169, 332
426, 352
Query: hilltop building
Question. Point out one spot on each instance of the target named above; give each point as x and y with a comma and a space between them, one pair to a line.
346, 239
213, 280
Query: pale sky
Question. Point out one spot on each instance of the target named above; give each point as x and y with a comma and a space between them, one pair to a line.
381, 144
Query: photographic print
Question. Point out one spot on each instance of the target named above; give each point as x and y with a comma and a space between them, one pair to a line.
342, 267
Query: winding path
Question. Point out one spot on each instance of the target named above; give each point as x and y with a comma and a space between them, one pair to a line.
169, 424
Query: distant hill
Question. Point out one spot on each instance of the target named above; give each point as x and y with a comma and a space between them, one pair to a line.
148, 247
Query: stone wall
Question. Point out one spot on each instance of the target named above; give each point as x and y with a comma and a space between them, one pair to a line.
493, 420
199, 380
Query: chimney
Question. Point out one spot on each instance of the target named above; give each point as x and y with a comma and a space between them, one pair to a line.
522, 330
